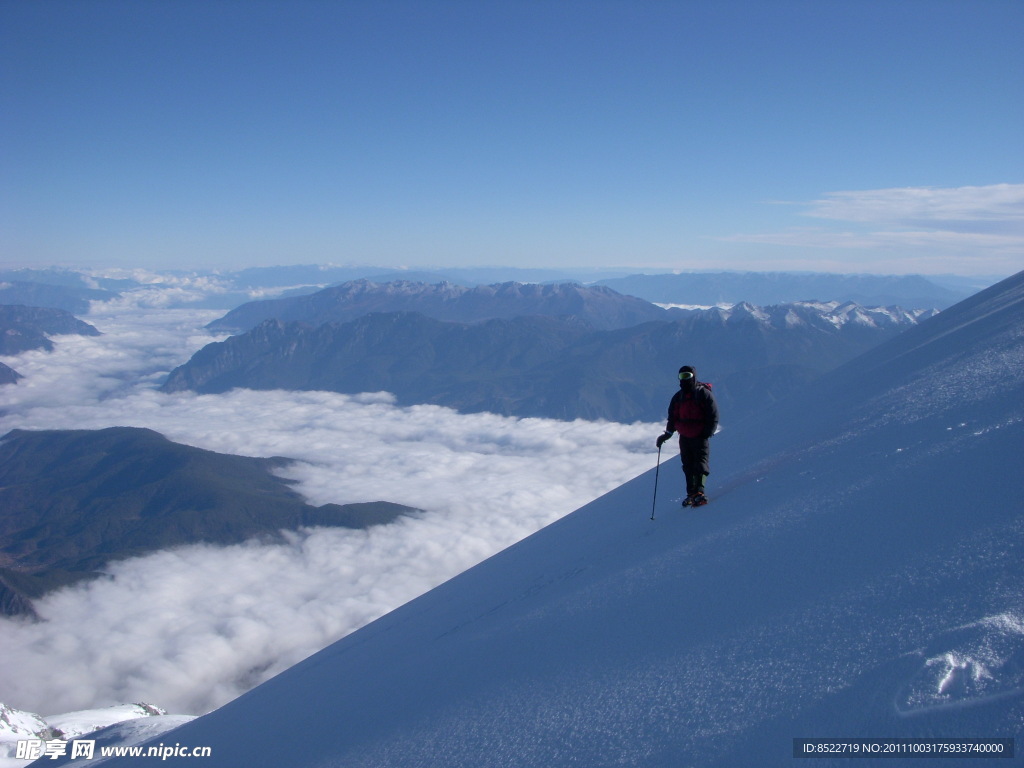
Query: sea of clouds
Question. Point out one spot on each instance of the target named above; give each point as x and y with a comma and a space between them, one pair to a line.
192, 628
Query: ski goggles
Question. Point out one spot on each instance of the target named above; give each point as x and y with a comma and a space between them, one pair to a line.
685, 376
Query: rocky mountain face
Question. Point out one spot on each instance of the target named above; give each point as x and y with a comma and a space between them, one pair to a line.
72, 501
546, 366
599, 307
23, 328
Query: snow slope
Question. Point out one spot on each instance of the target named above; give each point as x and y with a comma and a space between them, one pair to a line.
860, 572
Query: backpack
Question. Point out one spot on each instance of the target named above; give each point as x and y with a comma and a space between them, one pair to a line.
689, 418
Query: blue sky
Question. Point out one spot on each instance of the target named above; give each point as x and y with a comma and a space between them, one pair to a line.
856, 136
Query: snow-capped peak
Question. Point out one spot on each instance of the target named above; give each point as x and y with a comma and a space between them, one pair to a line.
16, 724
20, 726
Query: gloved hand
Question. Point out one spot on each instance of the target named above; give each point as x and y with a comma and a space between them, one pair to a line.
662, 438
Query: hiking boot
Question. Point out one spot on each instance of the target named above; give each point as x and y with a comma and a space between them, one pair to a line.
699, 500
688, 501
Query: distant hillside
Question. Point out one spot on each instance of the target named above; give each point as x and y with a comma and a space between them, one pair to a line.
710, 288
599, 307
8, 375
70, 298
544, 366
23, 328
323, 275
72, 501
300, 275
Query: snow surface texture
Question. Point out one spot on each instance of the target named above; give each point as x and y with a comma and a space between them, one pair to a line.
858, 574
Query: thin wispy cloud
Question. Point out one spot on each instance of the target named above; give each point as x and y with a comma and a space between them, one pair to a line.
914, 229
234, 616
1002, 204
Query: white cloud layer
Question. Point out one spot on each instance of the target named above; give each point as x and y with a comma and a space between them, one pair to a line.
192, 628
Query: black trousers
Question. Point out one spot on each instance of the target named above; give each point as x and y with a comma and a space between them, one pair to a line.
695, 453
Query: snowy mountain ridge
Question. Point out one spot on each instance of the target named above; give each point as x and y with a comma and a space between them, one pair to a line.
16, 724
813, 313
857, 574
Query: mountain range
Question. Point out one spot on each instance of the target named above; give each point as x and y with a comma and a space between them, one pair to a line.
690, 288
662, 287
601, 308
557, 367
74, 500
73, 290
785, 287
859, 573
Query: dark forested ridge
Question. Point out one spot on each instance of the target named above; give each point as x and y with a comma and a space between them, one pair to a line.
23, 328
72, 501
545, 366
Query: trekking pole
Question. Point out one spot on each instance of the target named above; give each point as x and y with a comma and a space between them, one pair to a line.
657, 470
